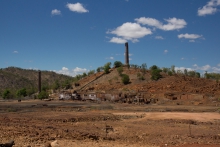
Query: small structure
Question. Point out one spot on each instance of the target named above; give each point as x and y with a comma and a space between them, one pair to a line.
89, 96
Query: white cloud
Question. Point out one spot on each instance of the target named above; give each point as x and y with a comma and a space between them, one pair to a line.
209, 8
189, 36
55, 12
149, 21
118, 40
192, 41
205, 67
218, 65
79, 70
165, 51
172, 23
72, 72
200, 68
77, 7
110, 58
183, 68
182, 58
159, 37
15, 52
216, 69
129, 31
65, 69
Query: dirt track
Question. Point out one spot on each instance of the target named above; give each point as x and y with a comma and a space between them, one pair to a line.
36, 123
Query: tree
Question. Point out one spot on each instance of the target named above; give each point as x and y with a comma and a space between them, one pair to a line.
165, 70
154, 67
185, 72
155, 72
66, 84
84, 75
173, 68
107, 66
120, 70
56, 85
140, 76
192, 73
170, 73
22, 92
144, 68
198, 75
43, 95
117, 64
91, 72
98, 69
6, 94
125, 79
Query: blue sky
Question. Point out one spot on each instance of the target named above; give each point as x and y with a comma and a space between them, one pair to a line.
72, 37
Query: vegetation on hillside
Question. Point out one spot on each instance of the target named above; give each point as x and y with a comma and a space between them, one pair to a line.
16, 82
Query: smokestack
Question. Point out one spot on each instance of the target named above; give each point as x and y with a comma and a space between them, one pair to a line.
39, 81
126, 54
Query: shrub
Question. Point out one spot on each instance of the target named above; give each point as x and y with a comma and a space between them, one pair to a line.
6, 94
170, 73
43, 95
117, 64
125, 79
107, 67
155, 74
120, 70
22, 92
140, 76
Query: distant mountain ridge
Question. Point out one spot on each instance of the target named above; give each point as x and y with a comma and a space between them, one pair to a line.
15, 78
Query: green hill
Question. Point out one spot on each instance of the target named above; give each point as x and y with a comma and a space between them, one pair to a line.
14, 78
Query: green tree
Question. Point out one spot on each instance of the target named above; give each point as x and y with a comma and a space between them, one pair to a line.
144, 68
117, 64
125, 79
56, 85
66, 84
84, 75
191, 73
43, 95
98, 69
165, 70
198, 75
120, 70
91, 72
185, 72
22, 92
170, 73
107, 66
140, 76
154, 67
6, 94
173, 68
155, 72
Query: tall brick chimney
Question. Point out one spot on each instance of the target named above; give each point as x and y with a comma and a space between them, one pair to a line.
126, 54
39, 81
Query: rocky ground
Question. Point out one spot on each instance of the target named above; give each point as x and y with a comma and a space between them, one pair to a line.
37, 123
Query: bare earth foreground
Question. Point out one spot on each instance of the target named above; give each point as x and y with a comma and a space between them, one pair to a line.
36, 123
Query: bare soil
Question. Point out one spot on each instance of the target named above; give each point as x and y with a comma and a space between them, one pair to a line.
37, 123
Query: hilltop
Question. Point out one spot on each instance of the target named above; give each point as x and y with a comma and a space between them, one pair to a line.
14, 78
175, 86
